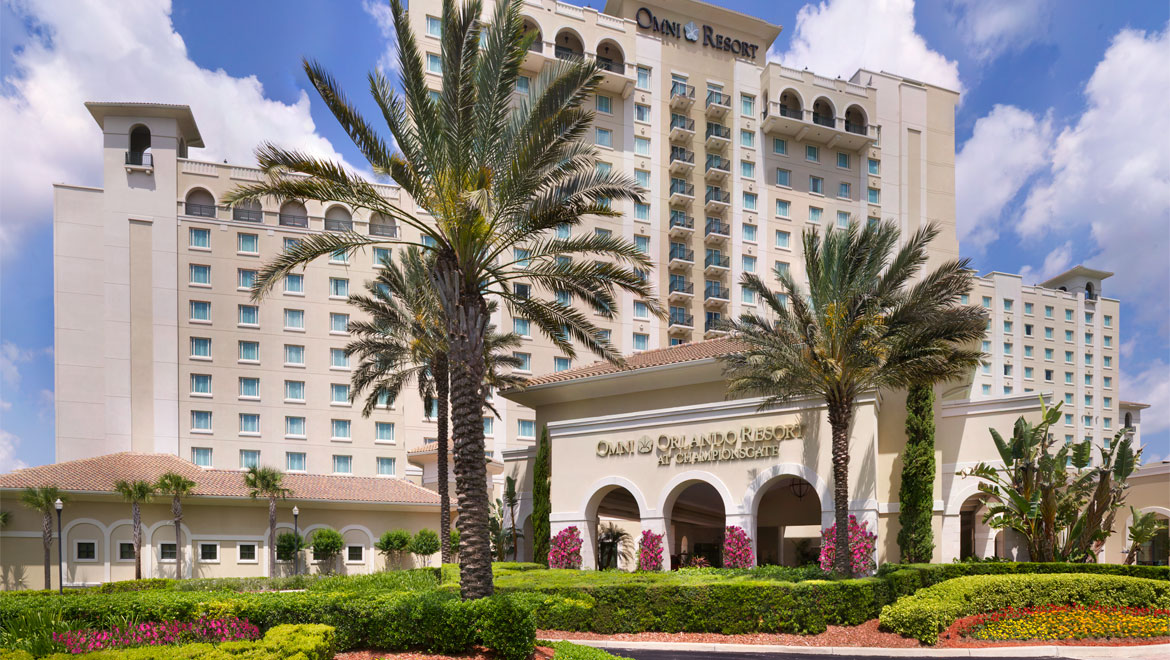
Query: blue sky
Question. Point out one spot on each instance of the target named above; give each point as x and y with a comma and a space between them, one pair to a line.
1056, 96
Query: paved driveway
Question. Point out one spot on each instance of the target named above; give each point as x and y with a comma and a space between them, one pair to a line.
643, 654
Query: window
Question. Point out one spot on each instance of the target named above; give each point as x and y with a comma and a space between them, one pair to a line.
1068, 335
201, 420
249, 387
248, 315
964, 299
381, 255
290, 242
125, 551
604, 104
641, 113
749, 201
843, 219
249, 424
816, 185
781, 267
747, 169
209, 552
522, 290
525, 361
986, 302
339, 393
338, 287
749, 264
384, 432
1108, 341
748, 296
294, 427
342, 464
643, 77
814, 214
294, 319
561, 363
1107, 402
1088, 338
782, 238
199, 238
1048, 333
1107, 382
642, 177
199, 275
294, 390
783, 207
641, 146
386, 467
747, 105
604, 233
1007, 389
489, 425
247, 244
354, 553
843, 190
1048, 311
562, 231
167, 552
339, 429
842, 160
249, 458
200, 385
604, 137
85, 551
874, 195
1048, 354
434, 27
1068, 378
245, 278
986, 346
640, 310
1007, 305
522, 327
434, 63
1007, 369
200, 310
1027, 351
339, 323
1028, 308
294, 355
783, 177
641, 341
1108, 321
780, 146
749, 233
200, 347
1007, 348
811, 153
642, 243
1068, 357
1107, 361
201, 456
1048, 374
986, 389
294, 283
747, 139
1027, 329
1007, 326
874, 167
1089, 400
526, 428
523, 84
338, 359
246, 552
1028, 372
1068, 315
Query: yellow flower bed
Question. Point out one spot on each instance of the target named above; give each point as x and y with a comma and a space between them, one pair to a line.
1070, 622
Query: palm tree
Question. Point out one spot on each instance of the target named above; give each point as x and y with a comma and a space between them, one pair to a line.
862, 324
512, 501
178, 487
267, 482
613, 542
136, 492
1144, 528
44, 500
404, 340
496, 178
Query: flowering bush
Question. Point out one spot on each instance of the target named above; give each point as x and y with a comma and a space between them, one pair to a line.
861, 544
1068, 622
737, 548
650, 551
159, 633
565, 549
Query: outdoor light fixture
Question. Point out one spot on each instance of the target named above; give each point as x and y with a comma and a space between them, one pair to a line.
800, 488
297, 547
60, 556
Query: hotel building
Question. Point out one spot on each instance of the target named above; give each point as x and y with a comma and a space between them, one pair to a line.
160, 349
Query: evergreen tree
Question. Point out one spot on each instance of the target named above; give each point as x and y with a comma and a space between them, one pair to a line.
541, 500
916, 536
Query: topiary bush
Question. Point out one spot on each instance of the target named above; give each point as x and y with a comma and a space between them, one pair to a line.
327, 544
393, 544
424, 544
506, 627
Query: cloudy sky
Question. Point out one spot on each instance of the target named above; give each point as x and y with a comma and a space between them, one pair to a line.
1063, 139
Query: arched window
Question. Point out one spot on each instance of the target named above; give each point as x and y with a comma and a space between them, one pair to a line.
610, 57
382, 226
139, 153
855, 120
791, 105
530, 27
293, 214
200, 203
823, 113
248, 211
1089, 292
569, 45
1129, 420
337, 218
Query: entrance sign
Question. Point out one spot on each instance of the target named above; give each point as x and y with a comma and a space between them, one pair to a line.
648, 21
718, 446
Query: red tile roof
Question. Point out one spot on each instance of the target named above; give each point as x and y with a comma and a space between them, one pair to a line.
100, 473
426, 447
701, 350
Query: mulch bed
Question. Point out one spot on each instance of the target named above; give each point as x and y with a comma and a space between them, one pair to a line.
542, 653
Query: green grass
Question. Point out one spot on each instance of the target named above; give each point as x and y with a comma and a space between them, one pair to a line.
571, 651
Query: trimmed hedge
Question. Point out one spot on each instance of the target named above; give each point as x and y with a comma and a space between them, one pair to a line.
305, 642
571, 651
930, 611
908, 578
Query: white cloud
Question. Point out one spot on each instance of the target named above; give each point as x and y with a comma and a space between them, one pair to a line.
837, 37
1055, 263
1006, 148
1110, 177
379, 10
1150, 385
5, 406
11, 357
990, 28
8, 459
122, 51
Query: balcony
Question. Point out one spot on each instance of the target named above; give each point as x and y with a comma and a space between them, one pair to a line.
614, 78
682, 161
681, 258
681, 322
681, 192
718, 168
290, 220
566, 53
681, 225
713, 328
383, 229
718, 105
718, 137
716, 264
680, 290
717, 231
715, 295
141, 161
682, 96
199, 210
338, 225
681, 128
817, 128
717, 200
247, 215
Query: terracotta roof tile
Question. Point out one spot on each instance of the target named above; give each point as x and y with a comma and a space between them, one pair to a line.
701, 350
100, 473
424, 448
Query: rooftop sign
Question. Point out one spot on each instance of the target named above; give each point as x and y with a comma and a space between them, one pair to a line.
692, 32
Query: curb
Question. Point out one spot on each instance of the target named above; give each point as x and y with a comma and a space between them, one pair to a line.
1080, 652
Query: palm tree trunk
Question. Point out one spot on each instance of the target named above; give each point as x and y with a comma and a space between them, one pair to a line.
136, 516
840, 416
271, 536
443, 394
47, 538
177, 512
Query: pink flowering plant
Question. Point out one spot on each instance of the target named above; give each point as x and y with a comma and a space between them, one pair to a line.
737, 548
565, 549
158, 633
650, 551
861, 546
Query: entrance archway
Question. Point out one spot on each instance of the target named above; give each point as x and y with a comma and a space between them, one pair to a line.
696, 519
977, 539
788, 523
613, 523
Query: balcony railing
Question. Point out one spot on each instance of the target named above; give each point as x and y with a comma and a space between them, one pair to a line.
682, 220
716, 162
141, 159
714, 325
565, 53
247, 215
680, 155
785, 111
201, 210
860, 129
717, 228
717, 196
607, 64
289, 220
718, 98
338, 225
717, 261
718, 131
824, 120
681, 286
682, 254
712, 292
682, 320
383, 229
682, 90
682, 188
683, 123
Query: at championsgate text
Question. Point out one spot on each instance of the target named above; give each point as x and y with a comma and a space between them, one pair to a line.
747, 443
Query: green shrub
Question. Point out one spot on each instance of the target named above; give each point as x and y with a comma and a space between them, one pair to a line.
308, 642
424, 544
288, 545
926, 613
571, 651
501, 567
393, 543
8, 654
506, 627
934, 573
327, 544
147, 584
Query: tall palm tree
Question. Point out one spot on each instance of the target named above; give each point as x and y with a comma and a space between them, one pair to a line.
136, 493
44, 500
404, 340
863, 323
178, 487
496, 177
268, 483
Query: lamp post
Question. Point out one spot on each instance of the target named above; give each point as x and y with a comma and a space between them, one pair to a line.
297, 536
58, 505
